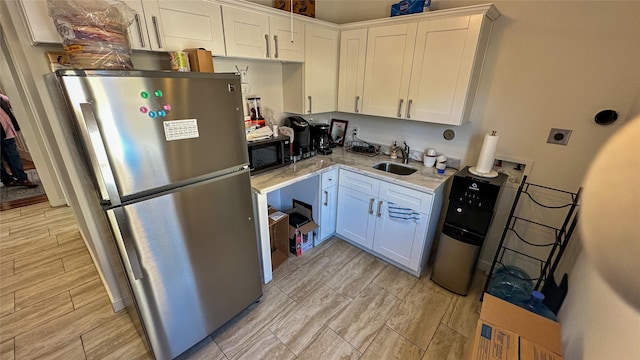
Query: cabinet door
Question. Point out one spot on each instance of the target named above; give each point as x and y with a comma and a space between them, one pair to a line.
246, 33
138, 32
39, 24
286, 45
329, 207
442, 67
398, 237
353, 49
177, 25
356, 216
402, 223
388, 69
321, 69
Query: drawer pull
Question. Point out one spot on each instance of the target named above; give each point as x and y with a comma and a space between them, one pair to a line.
154, 19
326, 198
371, 205
137, 17
379, 206
400, 107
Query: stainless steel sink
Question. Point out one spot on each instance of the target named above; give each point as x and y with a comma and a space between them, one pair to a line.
394, 168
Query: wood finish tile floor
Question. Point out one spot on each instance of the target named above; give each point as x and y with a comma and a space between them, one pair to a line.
335, 302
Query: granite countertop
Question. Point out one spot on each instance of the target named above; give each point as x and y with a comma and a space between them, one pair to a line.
425, 179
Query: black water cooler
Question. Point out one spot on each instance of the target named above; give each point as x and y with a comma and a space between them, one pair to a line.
471, 206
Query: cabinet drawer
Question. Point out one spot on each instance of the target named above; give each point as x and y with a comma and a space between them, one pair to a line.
329, 178
402, 196
361, 183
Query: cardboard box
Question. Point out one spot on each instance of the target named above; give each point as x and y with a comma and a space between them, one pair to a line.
301, 228
200, 60
508, 332
302, 7
278, 237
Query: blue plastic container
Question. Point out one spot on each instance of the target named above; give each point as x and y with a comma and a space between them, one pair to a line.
534, 304
512, 284
405, 7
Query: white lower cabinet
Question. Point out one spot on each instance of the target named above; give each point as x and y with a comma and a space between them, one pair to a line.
356, 219
390, 220
328, 205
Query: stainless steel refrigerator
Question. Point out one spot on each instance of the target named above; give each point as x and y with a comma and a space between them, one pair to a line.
167, 161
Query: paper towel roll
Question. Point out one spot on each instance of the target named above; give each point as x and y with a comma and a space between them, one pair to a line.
487, 153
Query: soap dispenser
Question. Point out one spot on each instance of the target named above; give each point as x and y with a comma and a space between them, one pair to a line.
393, 153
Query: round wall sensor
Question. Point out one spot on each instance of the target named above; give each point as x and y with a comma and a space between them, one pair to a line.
448, 134
606, 117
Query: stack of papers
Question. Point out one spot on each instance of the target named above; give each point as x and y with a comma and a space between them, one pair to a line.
276, 215
259, 134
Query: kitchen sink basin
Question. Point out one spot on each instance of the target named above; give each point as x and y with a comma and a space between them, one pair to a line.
394, 168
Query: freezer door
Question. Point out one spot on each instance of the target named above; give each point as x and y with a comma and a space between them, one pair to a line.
156, 129
197, 256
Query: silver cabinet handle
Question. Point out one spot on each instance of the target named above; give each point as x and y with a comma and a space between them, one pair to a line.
275, 40
326, 198
127, 241
400, 107
379, 206
154, 19
357, 100
137, 17
266, 39
371, 205
409, 109
309, 104
98, 156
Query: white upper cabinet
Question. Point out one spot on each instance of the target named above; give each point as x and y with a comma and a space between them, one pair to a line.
177, 25
321, 69
251, 34
423, 68
388, 69
158, 25
441, 88
311, 87
39, 24
353, 49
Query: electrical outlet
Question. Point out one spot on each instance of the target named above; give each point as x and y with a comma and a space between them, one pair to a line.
356, 131
559, 136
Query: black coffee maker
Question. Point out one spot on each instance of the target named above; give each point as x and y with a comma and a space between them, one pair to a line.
320, 137
302, 142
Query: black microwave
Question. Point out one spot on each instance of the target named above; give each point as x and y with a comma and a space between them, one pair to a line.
269, 154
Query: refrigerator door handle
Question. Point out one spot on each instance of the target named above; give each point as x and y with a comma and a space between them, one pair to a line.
98, 156
124, 234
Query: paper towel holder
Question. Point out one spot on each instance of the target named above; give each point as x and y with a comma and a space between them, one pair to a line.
488, 160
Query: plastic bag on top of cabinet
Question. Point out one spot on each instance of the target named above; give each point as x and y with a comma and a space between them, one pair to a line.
94, 32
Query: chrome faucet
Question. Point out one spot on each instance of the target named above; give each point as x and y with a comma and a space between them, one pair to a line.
406, 154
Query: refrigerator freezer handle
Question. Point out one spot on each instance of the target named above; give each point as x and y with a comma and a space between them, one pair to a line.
98, 156
123, 233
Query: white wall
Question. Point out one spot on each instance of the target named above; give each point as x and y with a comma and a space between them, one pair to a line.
596, 322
